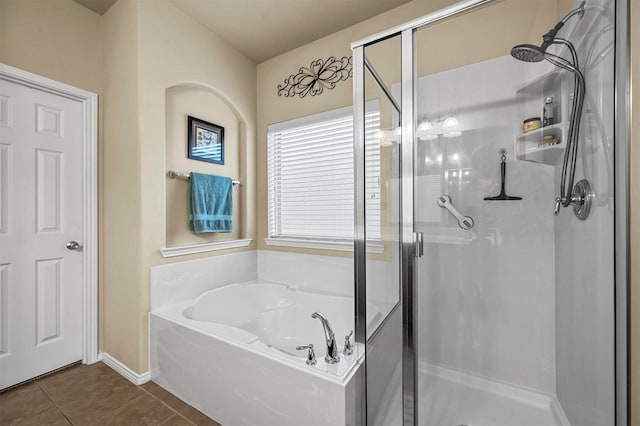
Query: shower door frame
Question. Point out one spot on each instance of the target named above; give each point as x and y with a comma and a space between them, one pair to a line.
622, 141
408, 243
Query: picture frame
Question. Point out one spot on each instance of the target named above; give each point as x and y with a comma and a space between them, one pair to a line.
205, 141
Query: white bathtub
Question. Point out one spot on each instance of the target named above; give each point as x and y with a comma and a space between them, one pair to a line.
231, 353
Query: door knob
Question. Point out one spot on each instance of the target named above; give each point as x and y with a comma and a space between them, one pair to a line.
74, 245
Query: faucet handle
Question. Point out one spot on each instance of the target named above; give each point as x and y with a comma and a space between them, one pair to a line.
348, 348
311, 355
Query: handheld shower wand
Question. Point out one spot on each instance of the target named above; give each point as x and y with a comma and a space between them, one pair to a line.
580, 196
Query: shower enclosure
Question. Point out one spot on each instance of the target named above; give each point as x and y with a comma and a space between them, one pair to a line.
501, 241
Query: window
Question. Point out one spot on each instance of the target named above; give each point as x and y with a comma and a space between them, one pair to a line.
311, 182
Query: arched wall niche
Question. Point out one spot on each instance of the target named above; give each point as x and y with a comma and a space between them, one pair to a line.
208, 104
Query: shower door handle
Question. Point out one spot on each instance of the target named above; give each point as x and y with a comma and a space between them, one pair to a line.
464, 222
418, 244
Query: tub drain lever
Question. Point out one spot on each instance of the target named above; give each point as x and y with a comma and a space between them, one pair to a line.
311, 355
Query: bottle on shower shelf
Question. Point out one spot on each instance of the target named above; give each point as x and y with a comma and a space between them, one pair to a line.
548, 114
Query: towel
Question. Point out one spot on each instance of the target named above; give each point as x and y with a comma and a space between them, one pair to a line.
211, 204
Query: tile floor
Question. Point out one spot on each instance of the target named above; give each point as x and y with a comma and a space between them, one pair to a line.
94, 395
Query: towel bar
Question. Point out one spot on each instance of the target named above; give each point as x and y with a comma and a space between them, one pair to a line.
174, 175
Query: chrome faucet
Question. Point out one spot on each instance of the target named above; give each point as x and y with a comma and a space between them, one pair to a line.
311, 355
331, 357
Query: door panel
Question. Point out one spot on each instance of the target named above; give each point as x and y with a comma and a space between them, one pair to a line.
382, 184
4, 284
48, 300
40, 211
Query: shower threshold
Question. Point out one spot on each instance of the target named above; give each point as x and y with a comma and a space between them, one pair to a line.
451, 398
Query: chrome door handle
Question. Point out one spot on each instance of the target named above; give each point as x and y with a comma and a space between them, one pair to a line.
74, 245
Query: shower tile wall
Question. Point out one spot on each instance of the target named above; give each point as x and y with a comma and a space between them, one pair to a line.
487, 295
186, 280
180, 281
584, 266
327, 273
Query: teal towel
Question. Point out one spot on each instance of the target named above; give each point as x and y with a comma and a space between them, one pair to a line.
211, 204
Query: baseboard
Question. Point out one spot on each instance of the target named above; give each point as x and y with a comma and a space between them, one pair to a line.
558, 412
496, 387
123, 370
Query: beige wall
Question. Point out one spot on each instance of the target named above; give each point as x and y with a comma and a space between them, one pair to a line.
58, 39
273, 108
190, 55
635, 215
121, 299
61, 40
181, 102
130, 59
194, 63
522, 20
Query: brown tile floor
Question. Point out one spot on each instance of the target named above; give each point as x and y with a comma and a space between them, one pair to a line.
94, 395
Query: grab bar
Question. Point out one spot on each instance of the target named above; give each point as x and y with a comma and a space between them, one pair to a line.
464, 222
174, 175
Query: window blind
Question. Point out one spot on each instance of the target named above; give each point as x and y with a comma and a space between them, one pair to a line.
311, 181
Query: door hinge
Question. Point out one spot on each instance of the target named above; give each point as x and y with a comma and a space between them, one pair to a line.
418, 245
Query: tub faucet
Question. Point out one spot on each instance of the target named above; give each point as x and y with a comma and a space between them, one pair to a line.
331, 356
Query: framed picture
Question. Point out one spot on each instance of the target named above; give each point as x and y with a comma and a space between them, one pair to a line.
205, 141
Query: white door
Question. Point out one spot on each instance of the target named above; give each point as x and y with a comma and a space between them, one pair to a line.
41, 204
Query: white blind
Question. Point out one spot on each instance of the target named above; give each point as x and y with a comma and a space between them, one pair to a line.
311, 181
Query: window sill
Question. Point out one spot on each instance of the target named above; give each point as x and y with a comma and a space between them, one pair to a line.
372, 247
203, 247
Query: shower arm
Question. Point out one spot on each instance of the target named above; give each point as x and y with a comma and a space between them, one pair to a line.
577, 11
550, 37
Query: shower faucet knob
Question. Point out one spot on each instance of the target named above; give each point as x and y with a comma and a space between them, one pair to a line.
311, 355
348, 348
556, 209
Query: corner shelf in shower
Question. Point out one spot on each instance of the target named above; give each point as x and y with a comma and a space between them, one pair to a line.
528, 149
530, 100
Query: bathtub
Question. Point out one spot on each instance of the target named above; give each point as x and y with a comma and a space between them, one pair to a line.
230, 352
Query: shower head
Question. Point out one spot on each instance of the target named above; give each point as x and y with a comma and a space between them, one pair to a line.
533, 53
528, 53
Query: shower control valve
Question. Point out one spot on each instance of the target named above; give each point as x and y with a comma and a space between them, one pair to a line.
581, 199
311, 355
348, 348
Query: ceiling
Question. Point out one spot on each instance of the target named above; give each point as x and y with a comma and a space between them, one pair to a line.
98, 6
263, 29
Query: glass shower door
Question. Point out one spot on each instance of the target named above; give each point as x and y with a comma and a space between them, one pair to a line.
514, 306
379, 306
499, 311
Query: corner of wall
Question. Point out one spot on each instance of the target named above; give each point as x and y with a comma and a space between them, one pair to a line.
123, 326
